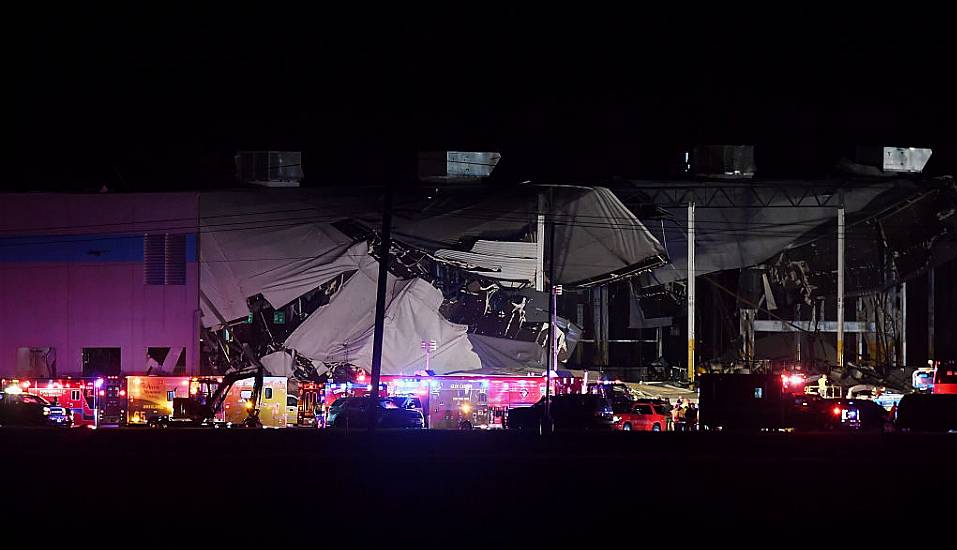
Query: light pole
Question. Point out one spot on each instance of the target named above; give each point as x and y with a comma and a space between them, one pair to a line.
428, 346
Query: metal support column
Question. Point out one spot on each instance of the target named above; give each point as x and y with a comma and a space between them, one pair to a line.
605, 327
746, 330
840, 287
861, 312
660, 341
904, 324
691, 308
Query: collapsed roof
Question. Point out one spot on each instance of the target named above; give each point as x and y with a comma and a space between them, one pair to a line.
736, 228
285, 244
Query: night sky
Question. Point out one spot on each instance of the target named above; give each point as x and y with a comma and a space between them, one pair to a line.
161, 101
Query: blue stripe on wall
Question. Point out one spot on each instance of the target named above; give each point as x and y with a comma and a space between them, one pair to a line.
80, 248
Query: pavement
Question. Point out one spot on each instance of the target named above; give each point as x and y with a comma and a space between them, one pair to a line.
449, 480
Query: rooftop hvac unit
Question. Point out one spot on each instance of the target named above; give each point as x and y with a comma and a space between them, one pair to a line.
724, 161
891, 160
905, 159
456, 165
270, 168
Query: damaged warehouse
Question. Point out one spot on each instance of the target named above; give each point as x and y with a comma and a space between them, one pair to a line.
464, 273
291, 273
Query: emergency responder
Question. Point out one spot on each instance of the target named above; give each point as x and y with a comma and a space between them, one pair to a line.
691, 417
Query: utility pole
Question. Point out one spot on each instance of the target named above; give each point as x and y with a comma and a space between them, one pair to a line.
552, 334
930, 316
384, 252
691, 308
840, 287
556, 292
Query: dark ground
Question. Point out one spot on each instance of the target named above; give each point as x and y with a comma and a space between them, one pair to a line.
580, 482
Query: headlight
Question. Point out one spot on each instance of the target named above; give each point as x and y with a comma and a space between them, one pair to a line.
615, 418
46, 411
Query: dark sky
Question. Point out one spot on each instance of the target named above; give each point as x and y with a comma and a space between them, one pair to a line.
162, 100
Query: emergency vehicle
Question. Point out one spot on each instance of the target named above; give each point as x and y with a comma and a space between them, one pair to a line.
464, 402
309, 407
110, 400
85, 397
945, 377
272, 402
75, 394
748, 401
150, 397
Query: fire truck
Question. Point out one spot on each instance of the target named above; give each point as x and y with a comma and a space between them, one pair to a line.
310, 404
749, 401
945, 377
464, 402
110, 400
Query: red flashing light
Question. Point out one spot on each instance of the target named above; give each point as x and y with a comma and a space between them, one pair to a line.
25, 384
122, 393
836, 410
102, 393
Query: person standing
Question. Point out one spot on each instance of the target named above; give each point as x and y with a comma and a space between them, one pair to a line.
691, 417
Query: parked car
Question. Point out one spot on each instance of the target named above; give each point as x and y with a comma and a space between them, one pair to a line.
927, 413
354, 414
642, 416
408, 402
572, 412
334, 409
22, 409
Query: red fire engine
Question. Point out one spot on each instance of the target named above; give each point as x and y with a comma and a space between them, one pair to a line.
472, 401
945, 377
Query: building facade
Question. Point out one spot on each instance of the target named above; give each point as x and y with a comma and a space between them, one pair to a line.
103, 284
